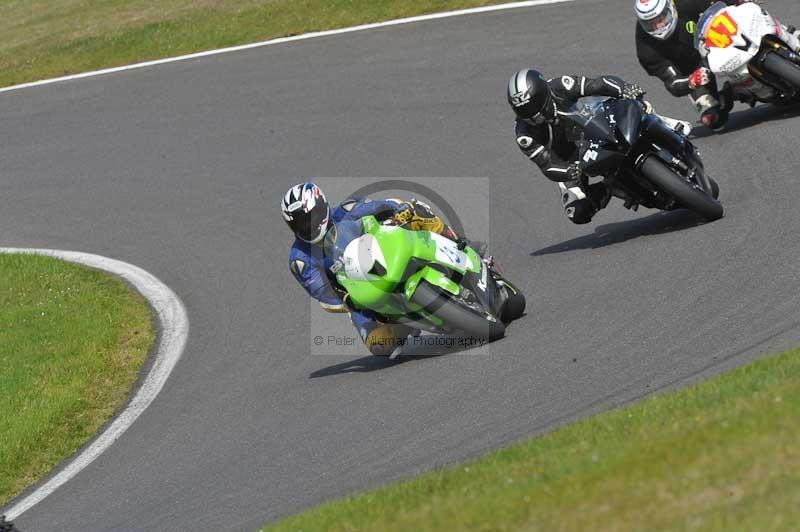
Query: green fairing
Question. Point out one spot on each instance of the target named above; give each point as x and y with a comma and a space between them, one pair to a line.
390, 294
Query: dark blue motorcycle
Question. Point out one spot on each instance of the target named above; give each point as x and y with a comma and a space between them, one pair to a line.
642, 160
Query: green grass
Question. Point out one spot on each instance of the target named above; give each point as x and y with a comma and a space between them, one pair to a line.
721, 455
72, 341
48, 38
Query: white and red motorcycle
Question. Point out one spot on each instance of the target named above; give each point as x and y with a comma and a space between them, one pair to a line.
750, 51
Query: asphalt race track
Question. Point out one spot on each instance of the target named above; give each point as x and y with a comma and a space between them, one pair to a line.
179, 169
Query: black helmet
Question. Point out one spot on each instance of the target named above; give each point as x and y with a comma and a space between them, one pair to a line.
529, 96
306, 211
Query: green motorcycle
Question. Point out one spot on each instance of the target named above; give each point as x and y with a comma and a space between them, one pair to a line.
421, 279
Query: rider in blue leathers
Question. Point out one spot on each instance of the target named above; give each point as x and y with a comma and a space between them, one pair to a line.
308, 214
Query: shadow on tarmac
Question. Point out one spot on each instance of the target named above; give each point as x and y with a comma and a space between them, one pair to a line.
434, 346
365, 364
615, 233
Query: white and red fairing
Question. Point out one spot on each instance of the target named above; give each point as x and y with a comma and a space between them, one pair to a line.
730, 37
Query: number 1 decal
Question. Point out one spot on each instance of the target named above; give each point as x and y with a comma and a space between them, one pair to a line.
721, 31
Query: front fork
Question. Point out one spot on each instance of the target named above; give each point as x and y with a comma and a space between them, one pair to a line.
773, 44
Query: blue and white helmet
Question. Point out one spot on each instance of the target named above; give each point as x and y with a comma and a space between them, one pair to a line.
658, 18
307, 212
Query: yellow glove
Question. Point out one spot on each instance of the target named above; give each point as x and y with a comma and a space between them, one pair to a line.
418, 216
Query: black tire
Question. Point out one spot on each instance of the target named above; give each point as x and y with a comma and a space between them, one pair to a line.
783, 68
714, 187
455, 314
687, 196
514, 306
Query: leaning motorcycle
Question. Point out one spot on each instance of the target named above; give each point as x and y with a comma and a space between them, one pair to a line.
642, 160
420, 279
746, 49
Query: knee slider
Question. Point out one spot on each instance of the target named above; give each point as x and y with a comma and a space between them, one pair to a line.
385, 338
577, 206
580, 211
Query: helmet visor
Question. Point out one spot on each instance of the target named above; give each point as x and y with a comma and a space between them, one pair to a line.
545, 114
662, 24
310, 226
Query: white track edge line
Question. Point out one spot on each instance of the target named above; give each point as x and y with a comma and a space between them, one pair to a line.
312, 35
174, 331
169, 308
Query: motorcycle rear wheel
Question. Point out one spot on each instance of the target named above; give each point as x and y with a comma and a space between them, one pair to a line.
686, 194
456, 314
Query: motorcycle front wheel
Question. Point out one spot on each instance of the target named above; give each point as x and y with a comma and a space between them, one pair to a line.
685, 193
783, 68
456, 314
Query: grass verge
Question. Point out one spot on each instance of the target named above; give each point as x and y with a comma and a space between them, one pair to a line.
72, 341
48, 38
720, 455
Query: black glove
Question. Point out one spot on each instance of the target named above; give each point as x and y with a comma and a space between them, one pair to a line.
632, 91
477, 246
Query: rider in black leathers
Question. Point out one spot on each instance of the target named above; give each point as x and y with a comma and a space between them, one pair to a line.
542, 136
665, 35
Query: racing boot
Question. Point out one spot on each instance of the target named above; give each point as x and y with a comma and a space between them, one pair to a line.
712, 113
714, 118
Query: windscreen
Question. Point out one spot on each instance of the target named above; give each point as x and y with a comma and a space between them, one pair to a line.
702, 24
589, 115
339, 235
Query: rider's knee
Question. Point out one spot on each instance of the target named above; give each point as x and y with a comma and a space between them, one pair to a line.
580, 211
715, 117
578, 207
384, 338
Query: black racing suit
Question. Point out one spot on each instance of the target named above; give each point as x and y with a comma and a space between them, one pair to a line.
675, 59
556, 155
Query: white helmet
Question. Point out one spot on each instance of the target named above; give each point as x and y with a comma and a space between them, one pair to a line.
658, 18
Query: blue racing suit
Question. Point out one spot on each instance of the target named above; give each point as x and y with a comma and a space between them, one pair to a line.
308, 265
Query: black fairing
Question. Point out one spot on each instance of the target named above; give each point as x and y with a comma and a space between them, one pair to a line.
485, 289
618, 135
675, 145
629, 115
610, 129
